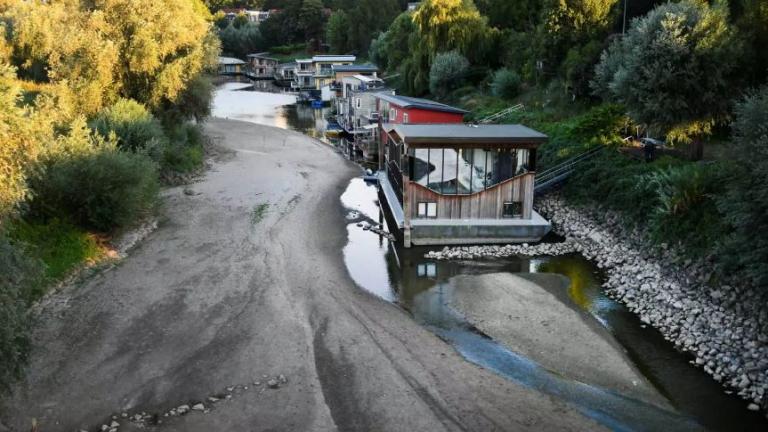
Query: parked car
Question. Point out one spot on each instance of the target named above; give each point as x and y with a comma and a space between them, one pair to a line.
652, 141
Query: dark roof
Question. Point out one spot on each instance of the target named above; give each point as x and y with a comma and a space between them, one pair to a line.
454, 133
355, 68
425, 104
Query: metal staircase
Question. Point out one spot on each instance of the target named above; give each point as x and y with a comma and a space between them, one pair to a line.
557, 174
501, 114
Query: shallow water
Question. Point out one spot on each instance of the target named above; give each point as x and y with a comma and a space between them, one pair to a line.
421, 286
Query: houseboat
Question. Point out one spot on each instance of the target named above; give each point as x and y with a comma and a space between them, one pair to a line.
262, 67
357, 114
462, 184
231, 66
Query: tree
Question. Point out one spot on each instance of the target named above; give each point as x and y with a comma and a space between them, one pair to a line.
672, 70
746, 203
337, 32
447, 72
505, 84
520, 15
311, 20
447, 25
569, 23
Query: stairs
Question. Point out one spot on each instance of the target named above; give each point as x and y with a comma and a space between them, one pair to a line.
551, 177
501, 114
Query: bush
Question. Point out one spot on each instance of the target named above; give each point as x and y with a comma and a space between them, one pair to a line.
135, 127
19, 275
506, 84
447, 72
746, 202
102, 189
185, 152
60, 246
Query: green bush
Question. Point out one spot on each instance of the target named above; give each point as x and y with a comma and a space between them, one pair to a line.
745, 251
506, 83
185, 151
100, 190
447, 72
60, 246
19, 275
136, 128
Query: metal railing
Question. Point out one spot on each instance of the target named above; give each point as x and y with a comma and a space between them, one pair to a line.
501, 114
550, 177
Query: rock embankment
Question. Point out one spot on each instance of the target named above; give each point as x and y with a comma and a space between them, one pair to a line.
720, 325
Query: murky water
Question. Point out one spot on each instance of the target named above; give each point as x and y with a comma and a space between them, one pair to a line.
265, 104
423, 287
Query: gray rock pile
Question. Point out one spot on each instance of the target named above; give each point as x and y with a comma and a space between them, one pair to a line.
719, 324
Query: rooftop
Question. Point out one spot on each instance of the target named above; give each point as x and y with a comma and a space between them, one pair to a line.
355, 68
466, 134
230, 61
333, 57
425, 104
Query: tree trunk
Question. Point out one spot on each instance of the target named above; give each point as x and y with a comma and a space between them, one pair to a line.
696, 149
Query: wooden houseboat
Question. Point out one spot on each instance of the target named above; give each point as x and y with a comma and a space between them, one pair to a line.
262, 67
231, 66
462, 184
358, 116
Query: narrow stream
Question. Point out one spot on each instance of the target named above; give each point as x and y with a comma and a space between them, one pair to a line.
423, 287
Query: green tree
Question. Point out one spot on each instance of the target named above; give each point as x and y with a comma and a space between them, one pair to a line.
746, 203
520, 15
672, 70
337, 33
447, 72
312, 20
569, 23
447, 25
506, 83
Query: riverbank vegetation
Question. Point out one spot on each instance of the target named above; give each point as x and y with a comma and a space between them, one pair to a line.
97, 100
685, 72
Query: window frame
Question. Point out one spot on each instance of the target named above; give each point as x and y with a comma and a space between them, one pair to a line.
512, 205
429, 210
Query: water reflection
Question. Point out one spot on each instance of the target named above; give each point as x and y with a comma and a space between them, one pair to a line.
265, 104
423, 287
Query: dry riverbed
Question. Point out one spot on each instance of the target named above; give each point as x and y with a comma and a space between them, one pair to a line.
237, 313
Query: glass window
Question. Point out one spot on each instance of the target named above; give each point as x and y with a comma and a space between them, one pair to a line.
405, 118
427, 210
513, 209
392, 114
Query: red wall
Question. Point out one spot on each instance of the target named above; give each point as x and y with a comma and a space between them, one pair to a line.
420, 116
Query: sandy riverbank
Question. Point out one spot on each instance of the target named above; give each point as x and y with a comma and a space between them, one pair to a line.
242, 280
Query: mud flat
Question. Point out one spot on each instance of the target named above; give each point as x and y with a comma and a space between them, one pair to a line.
528, 314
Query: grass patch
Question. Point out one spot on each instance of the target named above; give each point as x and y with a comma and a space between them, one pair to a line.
60, 246
259, 212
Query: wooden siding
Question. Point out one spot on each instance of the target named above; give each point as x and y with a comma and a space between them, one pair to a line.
488, 204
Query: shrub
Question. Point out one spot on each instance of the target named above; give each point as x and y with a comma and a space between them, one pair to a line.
19, 274
185, 151
102, 189
505, 84
746, 202
60, 246
135, 127
447, 72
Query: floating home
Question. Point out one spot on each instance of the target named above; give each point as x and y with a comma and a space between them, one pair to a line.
358, 116
231, 66
462, 184
262, 66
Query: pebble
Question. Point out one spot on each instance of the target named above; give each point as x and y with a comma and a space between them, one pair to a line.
273, 384
198, 407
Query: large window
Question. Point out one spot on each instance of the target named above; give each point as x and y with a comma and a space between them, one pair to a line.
466, 171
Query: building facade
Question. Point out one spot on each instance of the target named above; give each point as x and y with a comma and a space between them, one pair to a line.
262, 66
357, 114
462, 184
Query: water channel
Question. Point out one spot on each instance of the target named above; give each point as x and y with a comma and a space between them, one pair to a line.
423, 287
